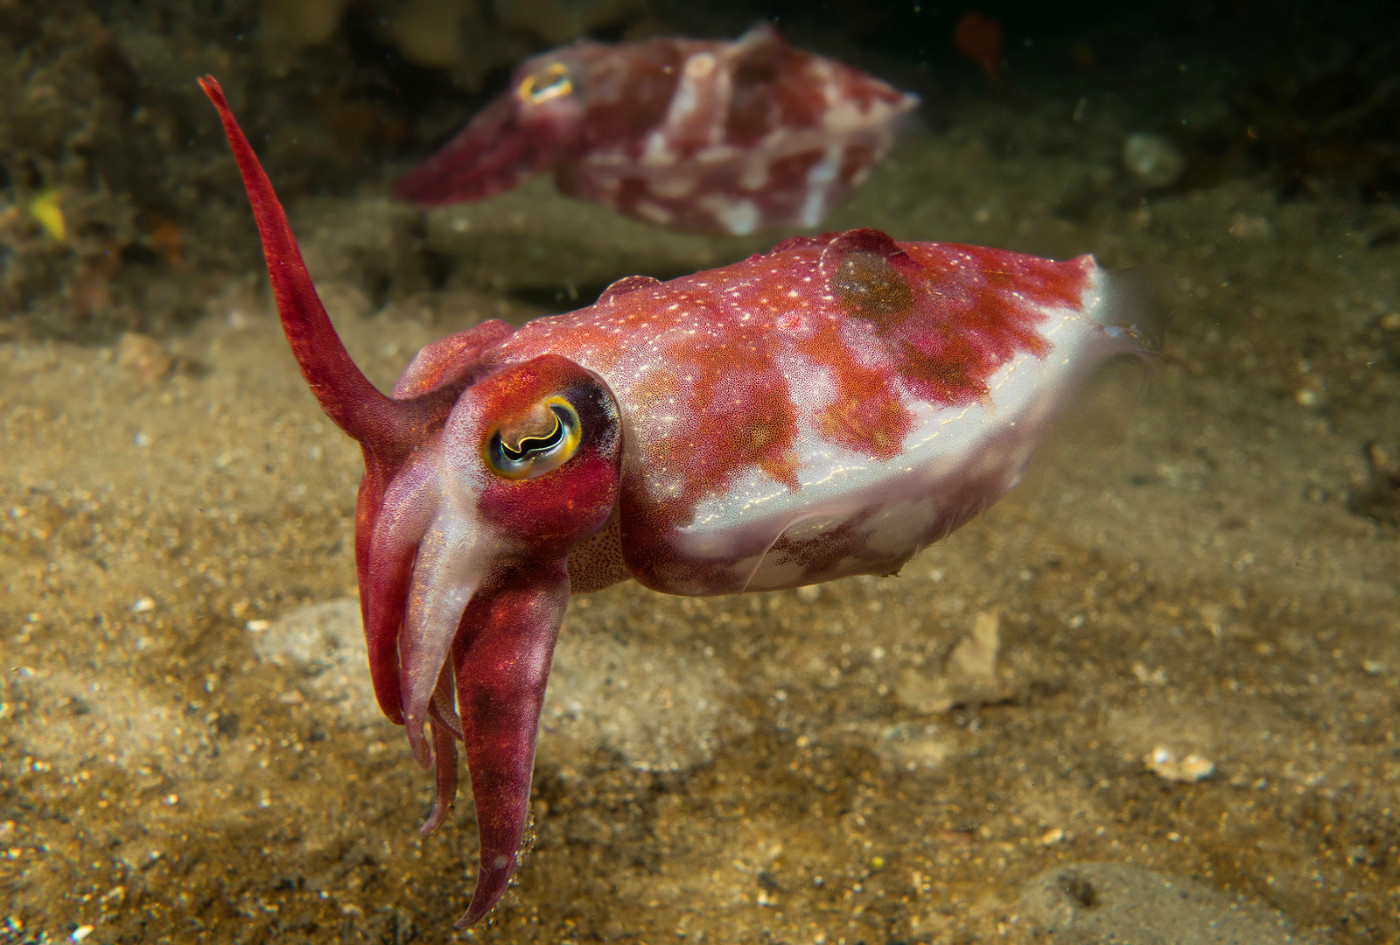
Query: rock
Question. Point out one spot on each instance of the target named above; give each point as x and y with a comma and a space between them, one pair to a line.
1162, 762
1116, 904
969, 678
1153, 160
326, 643
657, 707
144, 355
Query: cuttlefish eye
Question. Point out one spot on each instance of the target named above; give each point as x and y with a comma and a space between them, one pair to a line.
539, 443
551, 81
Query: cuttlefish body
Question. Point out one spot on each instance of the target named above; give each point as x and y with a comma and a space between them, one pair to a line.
718, 137
824, 409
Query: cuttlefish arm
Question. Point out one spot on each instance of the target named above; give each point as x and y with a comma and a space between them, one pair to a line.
478, 483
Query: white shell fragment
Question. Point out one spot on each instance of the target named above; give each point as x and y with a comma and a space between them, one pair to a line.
1161, 762
1153, 159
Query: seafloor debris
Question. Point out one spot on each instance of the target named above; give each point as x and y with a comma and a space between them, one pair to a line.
1379, 498
467, 39
97, 176
1153, 159
1166, 765
1325, 120
979, 38
969, 678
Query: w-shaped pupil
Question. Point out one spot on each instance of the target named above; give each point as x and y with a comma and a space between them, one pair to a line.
530, 445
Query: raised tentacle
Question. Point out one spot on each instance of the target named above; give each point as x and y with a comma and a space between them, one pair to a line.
385, 426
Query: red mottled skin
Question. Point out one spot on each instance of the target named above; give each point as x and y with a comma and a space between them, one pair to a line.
824, 409
932, 320
691, 134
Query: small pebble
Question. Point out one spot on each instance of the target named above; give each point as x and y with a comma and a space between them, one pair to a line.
1116, 902
1153, 159
1161, 762
1248, 226
144, 355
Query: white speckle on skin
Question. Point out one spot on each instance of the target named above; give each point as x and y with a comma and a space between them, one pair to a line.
755, 174
658, 149
819, 182
716, 154
773, 141
672, 188
882, 113
825, 170
842, 119
814, 206
685, 102
687, 97
740, 217
653, 212
699, 65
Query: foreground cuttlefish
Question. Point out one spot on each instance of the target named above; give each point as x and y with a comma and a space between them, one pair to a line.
825, 409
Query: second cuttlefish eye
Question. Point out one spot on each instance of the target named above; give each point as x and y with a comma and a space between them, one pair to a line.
551, 81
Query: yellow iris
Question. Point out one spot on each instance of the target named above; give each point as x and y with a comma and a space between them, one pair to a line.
541, 443
553, 81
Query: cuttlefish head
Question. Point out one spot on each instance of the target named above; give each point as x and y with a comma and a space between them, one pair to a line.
465, 582
528, 129
479, 481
